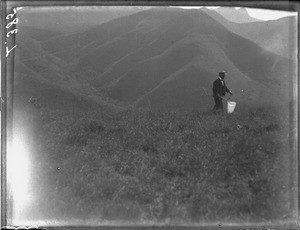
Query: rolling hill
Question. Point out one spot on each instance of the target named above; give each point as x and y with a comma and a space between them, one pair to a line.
72, 19
277, 36
44, 76
161, 58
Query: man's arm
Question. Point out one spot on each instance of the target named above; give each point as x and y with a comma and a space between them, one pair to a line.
228, 91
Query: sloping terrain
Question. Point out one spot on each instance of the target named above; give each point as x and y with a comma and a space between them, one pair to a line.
164, 56
47, 95
39, 34
99, 164
72, 19
45, 78
182, 40
277, 36
148, 168
239, 15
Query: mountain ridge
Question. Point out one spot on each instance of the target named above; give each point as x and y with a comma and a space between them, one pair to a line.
258, 32
127, 64
240, 15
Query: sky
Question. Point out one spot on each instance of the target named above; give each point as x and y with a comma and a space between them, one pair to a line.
269, 14
259, 13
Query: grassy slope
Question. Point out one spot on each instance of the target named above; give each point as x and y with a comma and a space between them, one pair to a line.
178, 167
137, 53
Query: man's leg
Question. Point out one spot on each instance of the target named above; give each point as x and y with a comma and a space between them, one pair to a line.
217, 103
221, 104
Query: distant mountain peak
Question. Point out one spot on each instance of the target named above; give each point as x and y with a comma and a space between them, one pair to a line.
237, 15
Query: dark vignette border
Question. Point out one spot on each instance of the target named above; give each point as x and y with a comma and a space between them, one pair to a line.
7, 70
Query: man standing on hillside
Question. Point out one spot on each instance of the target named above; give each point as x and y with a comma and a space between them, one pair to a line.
219, 90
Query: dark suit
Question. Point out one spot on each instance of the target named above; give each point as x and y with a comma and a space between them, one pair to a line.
219, 89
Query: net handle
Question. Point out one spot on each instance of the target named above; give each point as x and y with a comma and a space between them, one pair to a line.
225, 98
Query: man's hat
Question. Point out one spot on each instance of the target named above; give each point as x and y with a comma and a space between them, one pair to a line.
222, 74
